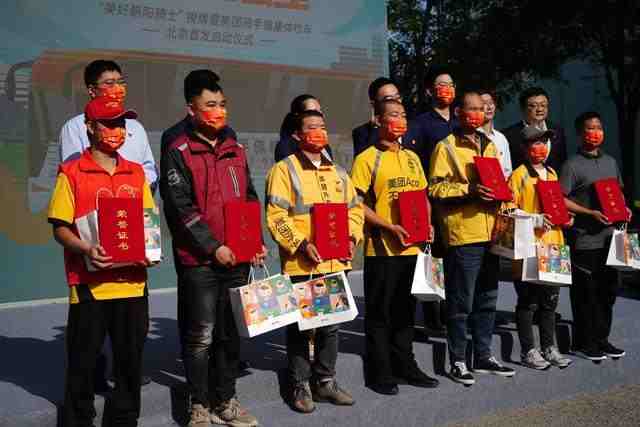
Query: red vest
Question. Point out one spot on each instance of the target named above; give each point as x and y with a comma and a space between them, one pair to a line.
88, 180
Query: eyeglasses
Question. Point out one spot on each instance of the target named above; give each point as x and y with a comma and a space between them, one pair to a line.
113, 82
445, 84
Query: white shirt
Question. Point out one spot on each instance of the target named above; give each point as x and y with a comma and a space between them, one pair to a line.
504, 155
74, 140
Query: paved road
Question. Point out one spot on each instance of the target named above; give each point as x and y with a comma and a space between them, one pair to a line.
618, 407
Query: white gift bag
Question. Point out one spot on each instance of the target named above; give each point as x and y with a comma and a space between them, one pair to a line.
624, 251
428, 278
324, 301
513, 236
264, 305
551, 265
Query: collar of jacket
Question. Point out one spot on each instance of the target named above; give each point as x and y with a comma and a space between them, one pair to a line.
533, 172
307, 164
590, 155
199, 145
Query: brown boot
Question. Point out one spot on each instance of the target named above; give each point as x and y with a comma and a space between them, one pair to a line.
234, 415
301, 400
329, 391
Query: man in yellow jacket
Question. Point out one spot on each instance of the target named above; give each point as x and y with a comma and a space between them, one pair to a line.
294, 185
532, 298
467, 211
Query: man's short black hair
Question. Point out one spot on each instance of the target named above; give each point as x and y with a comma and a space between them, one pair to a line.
379, 106
199, 80
375, 86
530, 92
94, 70
582, 118
433, 72
299, 118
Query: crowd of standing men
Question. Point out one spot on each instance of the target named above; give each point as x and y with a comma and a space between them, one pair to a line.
202, 167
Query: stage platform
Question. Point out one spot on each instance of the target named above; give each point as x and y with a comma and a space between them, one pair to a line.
31, 373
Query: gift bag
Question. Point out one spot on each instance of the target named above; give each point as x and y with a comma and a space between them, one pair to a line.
152, 234
264, 305
624, 251
551, 265
428, 278
324, 301
513, 236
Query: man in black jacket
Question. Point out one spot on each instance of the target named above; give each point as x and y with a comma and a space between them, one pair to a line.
534, 103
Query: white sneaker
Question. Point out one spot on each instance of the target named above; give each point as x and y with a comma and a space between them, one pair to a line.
553, 356
534, 360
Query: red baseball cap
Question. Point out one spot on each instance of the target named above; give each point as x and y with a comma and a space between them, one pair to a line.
102, 108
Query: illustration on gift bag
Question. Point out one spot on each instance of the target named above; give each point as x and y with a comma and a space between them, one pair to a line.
437, 270
503, 231
551, 265
264, 305
152, 235
325, 301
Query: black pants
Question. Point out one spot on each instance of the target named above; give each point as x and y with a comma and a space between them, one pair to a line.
544, 300
210, 337
325, 350
125, 320
593, 294
390, 316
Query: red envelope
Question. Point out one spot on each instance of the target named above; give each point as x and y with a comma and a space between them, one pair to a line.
121, 228
243, 229
491, 176
414, 215
331, 230
611, 199
552, 201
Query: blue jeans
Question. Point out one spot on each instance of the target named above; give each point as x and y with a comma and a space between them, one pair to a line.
471, 285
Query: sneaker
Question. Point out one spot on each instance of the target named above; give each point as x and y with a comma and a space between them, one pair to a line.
460, 374
492, 366
301, 400
594, 355
234, 415
611, 350
198, 416
553, 356
534, 360
329, 391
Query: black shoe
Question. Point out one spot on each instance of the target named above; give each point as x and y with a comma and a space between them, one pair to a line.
145, 380
611, 350
492, 366
460, 374
388, 389
595, 355
417, 378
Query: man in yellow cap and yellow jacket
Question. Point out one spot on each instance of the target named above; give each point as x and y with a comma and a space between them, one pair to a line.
467, 213
294, 185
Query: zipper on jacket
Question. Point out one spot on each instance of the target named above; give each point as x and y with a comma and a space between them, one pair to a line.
206, 184
234, 180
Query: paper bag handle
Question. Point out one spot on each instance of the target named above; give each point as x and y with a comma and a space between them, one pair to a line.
252, 273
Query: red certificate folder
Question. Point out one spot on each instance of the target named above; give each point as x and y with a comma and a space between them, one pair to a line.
331, 230
491, 176
611, 199
243, 229
552, 201
121, 228
414, 215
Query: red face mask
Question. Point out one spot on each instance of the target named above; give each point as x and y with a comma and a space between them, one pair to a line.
215, 118
593, 138
314, 140
538, 153
116, 93
445, 94
110, 140
393, 128
472, 119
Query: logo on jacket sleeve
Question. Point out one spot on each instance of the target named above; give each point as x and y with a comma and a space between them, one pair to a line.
172, 177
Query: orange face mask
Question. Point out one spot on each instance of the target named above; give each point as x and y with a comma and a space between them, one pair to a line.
445, 94
111, 139
472, 119
538, 153
593, 138
394, 127
314, 140
215, 118
116, 93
